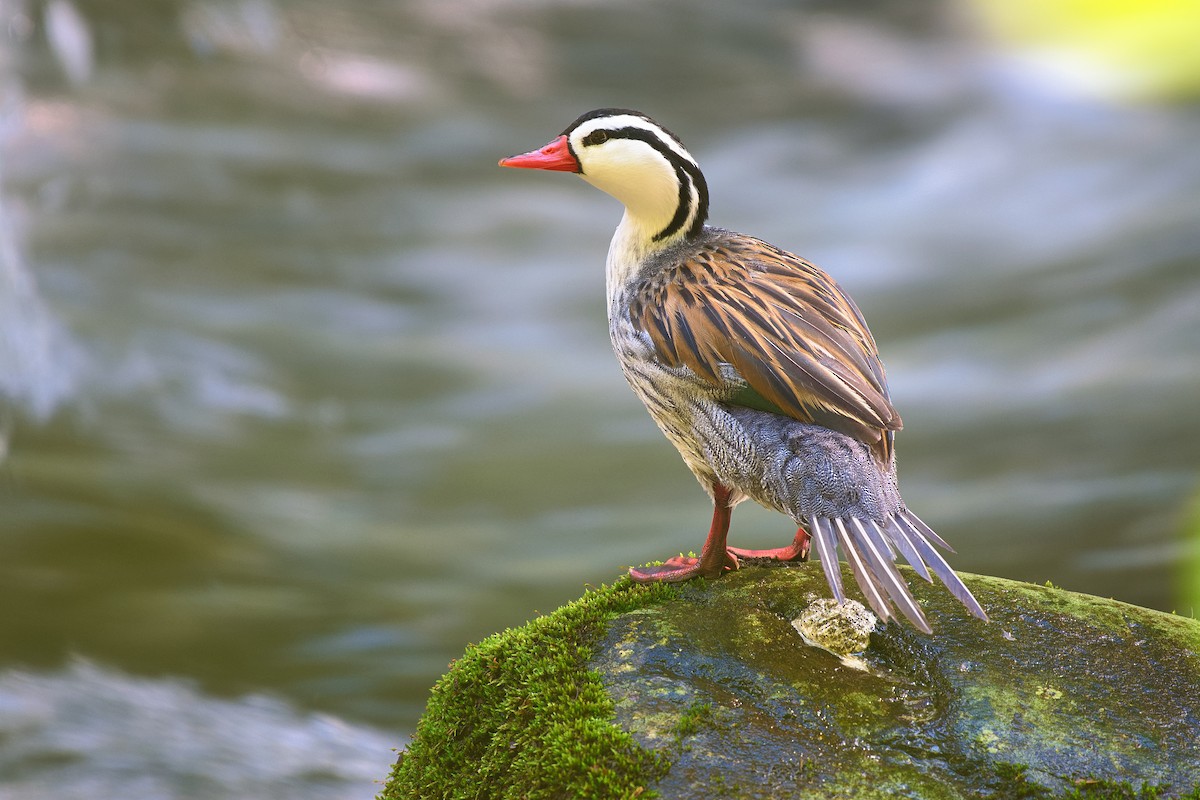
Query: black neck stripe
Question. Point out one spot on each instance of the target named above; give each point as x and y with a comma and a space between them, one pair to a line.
686, 173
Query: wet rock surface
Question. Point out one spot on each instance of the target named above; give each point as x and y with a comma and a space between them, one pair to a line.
709, 689
1059, 691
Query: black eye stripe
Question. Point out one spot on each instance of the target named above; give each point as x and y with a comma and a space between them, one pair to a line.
640, 134
596, 137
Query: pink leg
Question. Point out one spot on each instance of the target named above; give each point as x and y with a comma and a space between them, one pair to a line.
796, 551
715, 559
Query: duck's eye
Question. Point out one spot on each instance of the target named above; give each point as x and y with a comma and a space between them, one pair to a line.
596, 137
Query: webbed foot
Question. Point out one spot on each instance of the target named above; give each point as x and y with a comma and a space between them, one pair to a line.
796, 551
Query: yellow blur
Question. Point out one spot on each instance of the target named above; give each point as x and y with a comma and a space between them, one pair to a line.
1122, 49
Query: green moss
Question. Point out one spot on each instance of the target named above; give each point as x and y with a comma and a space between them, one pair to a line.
714, 694
520, 715
696, 717
1015, 784
1123, 790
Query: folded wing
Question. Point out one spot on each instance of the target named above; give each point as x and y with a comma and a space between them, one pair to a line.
797, 342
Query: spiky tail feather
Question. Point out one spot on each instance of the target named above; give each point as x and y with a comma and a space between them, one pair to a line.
871, 550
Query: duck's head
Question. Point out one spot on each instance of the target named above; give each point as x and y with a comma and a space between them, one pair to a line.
636, 160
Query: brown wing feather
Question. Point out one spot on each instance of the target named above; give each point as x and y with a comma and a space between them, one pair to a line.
784, 326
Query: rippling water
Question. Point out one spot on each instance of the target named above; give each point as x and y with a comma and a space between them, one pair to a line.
304, 394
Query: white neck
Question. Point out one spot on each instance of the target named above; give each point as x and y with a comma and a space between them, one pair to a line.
658, 182
632, 243
651, 203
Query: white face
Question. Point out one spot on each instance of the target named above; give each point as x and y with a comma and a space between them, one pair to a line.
633, 170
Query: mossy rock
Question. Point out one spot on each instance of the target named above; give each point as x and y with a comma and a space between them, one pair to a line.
707, 690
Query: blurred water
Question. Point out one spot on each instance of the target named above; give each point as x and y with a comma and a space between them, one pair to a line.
88, 732
304, 394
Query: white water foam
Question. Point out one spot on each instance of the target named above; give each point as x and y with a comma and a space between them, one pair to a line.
88, 731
